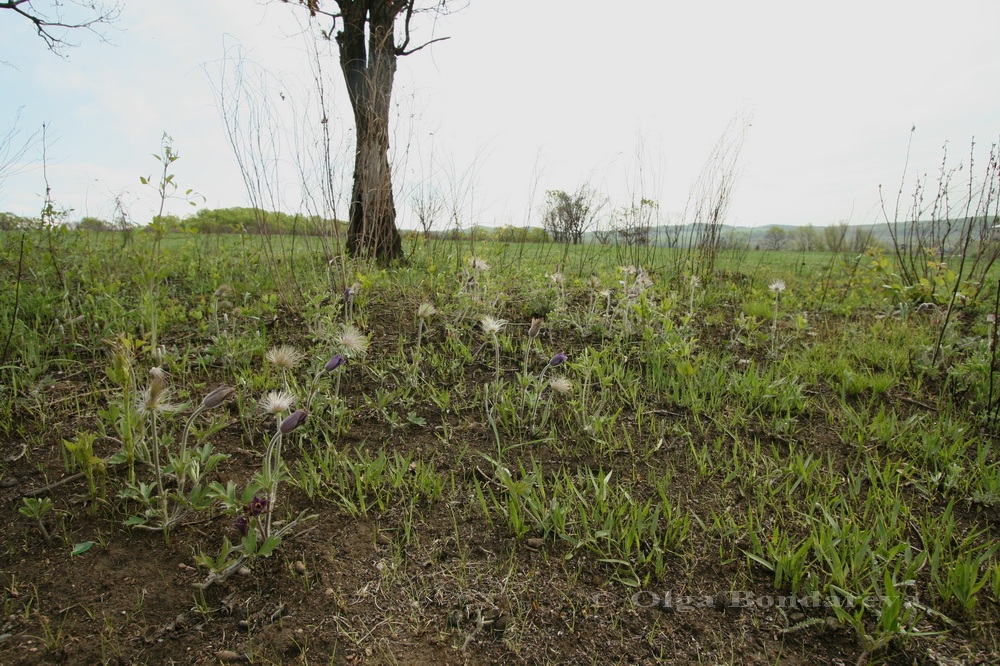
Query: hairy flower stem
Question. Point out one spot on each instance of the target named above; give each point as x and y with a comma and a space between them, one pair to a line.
159, 477
314, 387
774, 326
272, 467
496, 350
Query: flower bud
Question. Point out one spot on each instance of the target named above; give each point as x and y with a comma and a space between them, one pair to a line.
217, 397
334, 363
292, 421
535, 328
242, 525
558, 359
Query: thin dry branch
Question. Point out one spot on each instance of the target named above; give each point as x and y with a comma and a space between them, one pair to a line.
45, 25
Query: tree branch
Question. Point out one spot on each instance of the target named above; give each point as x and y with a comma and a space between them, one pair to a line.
44, 25
401, 52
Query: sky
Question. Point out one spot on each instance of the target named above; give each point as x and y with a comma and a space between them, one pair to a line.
629, 98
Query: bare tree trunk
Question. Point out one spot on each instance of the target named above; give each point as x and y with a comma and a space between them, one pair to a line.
372, 231
368, 72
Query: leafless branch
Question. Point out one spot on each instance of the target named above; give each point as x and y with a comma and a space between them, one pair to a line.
54, 20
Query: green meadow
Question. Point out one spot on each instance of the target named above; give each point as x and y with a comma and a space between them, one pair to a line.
235, 448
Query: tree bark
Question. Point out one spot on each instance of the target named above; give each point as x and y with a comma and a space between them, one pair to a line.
369, 70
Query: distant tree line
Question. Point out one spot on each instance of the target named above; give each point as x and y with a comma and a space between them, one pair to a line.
506, 234
838, 237
205, 221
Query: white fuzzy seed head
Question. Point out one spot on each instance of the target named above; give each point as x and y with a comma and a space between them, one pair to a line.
561, 385
285, 357
352, 342
492, 325
777, 286
276, 402
478, 264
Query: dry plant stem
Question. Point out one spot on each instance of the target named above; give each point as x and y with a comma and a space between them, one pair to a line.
991, 410
17, 300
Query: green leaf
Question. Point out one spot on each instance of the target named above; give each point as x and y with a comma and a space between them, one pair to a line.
81, 548
268, 546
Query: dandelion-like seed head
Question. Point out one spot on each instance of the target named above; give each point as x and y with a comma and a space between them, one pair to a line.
352, 342
628, 270
285, 357
492, 325
695, 281
558, 279
276, 402
426, 310
595, 282
222, 290
561, 385
604, 293
478, 264
777, 286
991, 318
154, 398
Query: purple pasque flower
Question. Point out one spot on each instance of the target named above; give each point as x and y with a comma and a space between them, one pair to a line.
293, 421
259, 505
558, 359
335, 362
242, 525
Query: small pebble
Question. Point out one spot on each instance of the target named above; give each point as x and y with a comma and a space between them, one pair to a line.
300, 567
795, 618
244, 571
534, 543
228, 656
832, 624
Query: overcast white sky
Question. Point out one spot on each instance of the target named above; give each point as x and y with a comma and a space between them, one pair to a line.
530, 95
